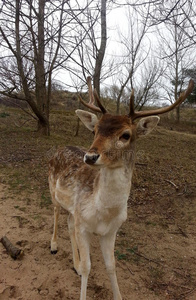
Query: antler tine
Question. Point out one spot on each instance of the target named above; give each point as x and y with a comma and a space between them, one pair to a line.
159, 111
90, 106
92, 95
90, 90
102, 108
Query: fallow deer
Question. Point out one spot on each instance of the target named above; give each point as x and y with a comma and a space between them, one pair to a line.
94, 186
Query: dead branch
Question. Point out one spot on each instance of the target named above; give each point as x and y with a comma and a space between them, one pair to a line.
182, 231
171, 182
13, 251
164, 265
141, 164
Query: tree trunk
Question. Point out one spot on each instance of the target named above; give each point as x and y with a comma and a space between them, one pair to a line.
121, 92
40, 107
40, 90
43, 127
101, 52
178, 114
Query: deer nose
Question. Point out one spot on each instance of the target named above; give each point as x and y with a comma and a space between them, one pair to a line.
91, 159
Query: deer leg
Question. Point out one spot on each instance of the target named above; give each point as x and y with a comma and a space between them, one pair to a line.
83, 242
76, 259
107, 246
53, 247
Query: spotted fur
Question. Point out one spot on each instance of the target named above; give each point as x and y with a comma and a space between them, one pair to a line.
96, 195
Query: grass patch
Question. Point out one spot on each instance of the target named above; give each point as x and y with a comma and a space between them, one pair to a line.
4, 115
45, 200
20, 208
120, 256
128, 254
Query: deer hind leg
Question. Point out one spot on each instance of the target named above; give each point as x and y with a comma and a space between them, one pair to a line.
107, 246
76, 259
53, 247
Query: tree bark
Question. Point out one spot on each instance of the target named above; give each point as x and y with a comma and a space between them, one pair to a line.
178, 114
40, 107
40, 89
101, 52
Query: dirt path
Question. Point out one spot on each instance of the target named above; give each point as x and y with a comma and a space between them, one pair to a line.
40, 275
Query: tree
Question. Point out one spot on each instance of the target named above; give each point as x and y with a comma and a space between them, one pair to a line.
176, 51
89, 57
101, 51
191, 73
136, 66
184, 11
37, 38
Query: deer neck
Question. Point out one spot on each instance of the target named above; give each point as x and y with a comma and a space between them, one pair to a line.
115, 184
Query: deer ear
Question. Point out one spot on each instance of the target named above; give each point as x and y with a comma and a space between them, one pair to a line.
146, 125
87, 118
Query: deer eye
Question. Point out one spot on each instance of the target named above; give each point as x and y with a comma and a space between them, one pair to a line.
125, 136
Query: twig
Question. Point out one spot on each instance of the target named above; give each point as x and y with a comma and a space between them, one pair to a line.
130, 271
19, 126
180, 229
148, 259
182, 232
164, 265
171, 182
18, 105
184, 191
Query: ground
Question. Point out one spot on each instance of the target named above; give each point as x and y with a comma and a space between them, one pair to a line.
155, 248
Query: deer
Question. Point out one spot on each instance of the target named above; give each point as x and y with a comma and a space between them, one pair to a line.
94, 185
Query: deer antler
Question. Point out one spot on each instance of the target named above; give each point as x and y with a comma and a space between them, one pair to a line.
135, 115
93, 96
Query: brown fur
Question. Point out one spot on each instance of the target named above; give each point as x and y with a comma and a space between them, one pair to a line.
96, 196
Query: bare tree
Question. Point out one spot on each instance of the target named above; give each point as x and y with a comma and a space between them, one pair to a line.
101, 50
184, 11
147, 90
177, 52
89, 58
37, 38
136, 50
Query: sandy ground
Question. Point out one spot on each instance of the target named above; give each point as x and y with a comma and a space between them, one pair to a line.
40, 275
155, 248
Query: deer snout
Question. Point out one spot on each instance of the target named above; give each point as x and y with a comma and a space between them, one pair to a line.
91, 158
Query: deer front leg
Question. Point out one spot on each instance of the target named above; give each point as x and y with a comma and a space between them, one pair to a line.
71, 226
83, 242
107, 246
53, 247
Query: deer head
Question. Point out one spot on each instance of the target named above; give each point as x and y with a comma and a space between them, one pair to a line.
114, 136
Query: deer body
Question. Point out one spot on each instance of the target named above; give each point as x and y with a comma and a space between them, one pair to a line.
95, 207
101, 194
95, 193
94, 186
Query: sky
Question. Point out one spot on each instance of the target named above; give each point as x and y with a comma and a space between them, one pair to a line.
116, 22
118, 26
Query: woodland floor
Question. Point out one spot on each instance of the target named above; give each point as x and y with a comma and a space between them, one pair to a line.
155, 248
